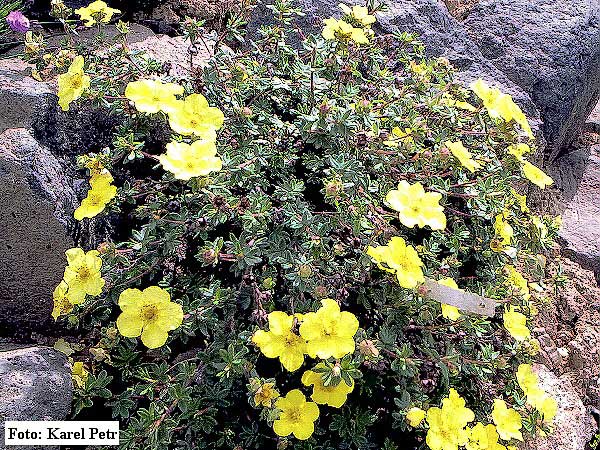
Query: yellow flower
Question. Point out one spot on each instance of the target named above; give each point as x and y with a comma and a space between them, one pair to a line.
463, 155
62, 305
417, 207
521, 200
194, 116
448, 311
400, 259
484, 437
72, 84
536, 175
149, 313
516, 280
100, 194
526, 378
507, 420
415, 416
152, 96
359, 13
516, 324
447, 424
455, 405
545, 404
518, 150
187, 161
82, 275
334, 396
281, 342
331, 26
504, 233
536, 397
402, 136
329, 331
419, 69
95, 12
79, 374
340, 30
265, 395
297, 416
500, 106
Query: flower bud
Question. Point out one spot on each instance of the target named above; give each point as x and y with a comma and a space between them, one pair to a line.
99, 354
324, 108
104, 248
422, 290
367, 348
321, 292
305, 271
210, 256
333, 188
336, 371
112, 333
338, 249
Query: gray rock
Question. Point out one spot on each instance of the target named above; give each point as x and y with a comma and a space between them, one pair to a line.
441, 33
35, 384
573, 425
444, 36
580, 232
551, 50
37, 206
22, 98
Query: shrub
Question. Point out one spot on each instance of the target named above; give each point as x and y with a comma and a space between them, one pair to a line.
272, 238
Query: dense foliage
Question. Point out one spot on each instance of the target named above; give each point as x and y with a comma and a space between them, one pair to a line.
281, 241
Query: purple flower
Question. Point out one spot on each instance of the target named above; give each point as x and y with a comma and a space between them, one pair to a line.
17, 21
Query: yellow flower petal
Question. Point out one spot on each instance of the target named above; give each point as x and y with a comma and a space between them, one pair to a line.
130, 324
154, 336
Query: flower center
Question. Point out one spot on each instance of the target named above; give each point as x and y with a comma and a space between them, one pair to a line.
64, 304
149, 313
84, 273
295, 415
290, 339
76, 82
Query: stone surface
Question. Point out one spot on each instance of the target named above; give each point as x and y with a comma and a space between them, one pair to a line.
592, 124
176, 52
442, 34
37, 206
568, 329
574, 426
22, 98
167, 14
580, 233
35, 384
551, 50
40, 186
200, 9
